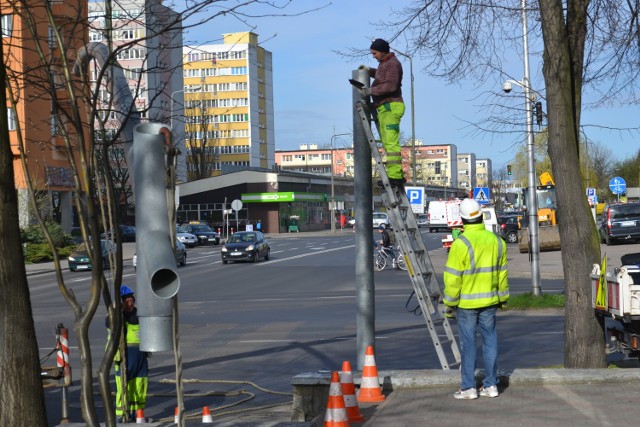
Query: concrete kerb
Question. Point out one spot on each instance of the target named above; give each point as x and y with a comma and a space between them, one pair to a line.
310, 390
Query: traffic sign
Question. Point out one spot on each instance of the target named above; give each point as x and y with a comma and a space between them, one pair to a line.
591, 192
415, 195
236, 205
617, 185
481, 195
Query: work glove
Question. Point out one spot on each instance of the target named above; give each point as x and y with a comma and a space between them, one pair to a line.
365, 91
363, 67
450, 312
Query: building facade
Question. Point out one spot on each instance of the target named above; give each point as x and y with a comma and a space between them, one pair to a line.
467, 170
229, 118
484, 172
34, 128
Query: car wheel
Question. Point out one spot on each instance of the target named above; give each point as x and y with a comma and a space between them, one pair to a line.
608, 240
267, 255
224, 261
430, 230
512, 237
183, 262
255, 257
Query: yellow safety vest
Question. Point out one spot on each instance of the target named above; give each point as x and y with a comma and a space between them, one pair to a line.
475, 275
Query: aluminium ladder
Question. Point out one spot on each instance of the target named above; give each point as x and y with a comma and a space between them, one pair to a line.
419, 266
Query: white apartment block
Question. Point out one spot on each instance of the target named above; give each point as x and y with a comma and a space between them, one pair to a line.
147, 37
484, 172
467, 170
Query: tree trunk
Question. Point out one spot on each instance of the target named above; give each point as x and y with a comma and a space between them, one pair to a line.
21, 393
562, 69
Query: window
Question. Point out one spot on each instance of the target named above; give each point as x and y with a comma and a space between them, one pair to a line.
11, 118
7, 25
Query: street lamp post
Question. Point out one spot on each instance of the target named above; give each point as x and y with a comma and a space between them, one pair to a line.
413, 121
333, 199
532, 202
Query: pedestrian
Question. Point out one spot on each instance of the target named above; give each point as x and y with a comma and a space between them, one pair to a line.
386, 94
137, 368
475, 286
259, 225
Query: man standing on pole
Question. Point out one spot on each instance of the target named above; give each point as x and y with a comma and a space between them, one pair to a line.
386, 94
475, 286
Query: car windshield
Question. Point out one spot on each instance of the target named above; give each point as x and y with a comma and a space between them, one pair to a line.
201, 228
245, 237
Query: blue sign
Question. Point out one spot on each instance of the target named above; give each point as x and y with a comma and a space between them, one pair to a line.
482, 195
591, 192
415, 195
617, 185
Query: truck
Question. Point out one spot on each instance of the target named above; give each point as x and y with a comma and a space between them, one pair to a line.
616, 296
548, 234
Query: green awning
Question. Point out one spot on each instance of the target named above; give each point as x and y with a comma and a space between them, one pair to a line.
285, 196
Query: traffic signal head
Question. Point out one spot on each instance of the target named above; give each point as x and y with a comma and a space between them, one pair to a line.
539, 113
508, 169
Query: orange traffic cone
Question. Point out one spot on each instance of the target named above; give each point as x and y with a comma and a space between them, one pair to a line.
140, 419
370, 385
349, 394
206, 416
336, 414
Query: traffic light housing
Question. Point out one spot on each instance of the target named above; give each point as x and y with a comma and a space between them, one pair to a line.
508, 169
539, 113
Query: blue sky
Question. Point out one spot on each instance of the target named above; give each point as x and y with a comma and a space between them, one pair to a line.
313, 99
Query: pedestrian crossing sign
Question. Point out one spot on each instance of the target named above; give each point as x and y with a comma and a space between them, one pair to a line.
481, 195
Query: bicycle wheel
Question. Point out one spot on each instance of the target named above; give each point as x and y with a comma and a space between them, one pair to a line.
401, 263
379, 261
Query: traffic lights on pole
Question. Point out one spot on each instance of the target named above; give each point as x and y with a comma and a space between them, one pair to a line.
539, 113
508, 169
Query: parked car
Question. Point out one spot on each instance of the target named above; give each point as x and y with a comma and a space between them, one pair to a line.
128, 233
79, 259
187, 239
381, 218
619, 222
203, 232
246, 246
180, 254
423, 220
508, 228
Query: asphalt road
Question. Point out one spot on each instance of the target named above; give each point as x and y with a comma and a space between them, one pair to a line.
269, 321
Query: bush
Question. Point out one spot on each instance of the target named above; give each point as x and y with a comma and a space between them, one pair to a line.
38, 249
34, 234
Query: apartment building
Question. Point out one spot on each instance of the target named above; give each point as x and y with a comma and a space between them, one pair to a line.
229, 118
309, 158
147, 39
484, 172
32, 121
467, 170
438, 165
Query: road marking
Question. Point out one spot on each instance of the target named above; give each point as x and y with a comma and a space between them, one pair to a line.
306, 255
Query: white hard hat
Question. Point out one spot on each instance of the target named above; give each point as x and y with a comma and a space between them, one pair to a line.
470, 209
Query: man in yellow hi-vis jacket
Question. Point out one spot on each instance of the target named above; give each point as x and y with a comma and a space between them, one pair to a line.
475, 286
137, 368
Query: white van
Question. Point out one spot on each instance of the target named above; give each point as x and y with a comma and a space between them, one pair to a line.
437, 212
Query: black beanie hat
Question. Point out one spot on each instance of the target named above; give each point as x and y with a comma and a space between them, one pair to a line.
380, 45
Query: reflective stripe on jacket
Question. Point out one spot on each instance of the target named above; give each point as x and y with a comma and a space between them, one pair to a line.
475, 275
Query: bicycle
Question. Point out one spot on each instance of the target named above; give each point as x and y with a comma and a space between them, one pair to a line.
382, 256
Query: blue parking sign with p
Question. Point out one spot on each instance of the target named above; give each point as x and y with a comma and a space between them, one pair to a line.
415, 195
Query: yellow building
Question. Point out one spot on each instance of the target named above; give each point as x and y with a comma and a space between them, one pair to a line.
228, 97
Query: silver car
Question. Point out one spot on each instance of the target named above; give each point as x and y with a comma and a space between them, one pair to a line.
187, 239
423, 220
180, 254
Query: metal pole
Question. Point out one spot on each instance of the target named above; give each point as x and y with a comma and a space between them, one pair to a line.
333, 198
533, 200
363, 194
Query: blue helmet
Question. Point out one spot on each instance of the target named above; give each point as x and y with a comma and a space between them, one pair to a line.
125, 291
382, 227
